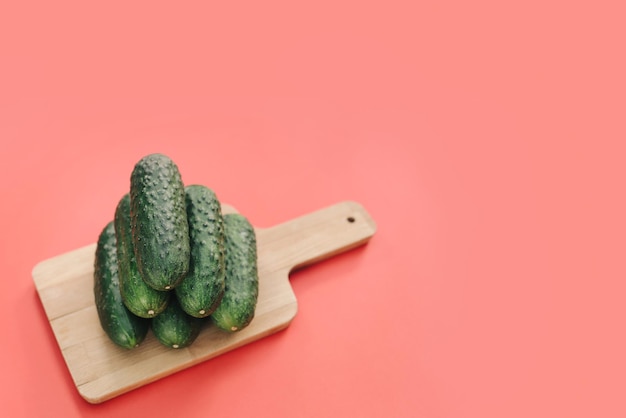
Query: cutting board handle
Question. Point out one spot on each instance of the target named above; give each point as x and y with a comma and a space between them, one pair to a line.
316, 236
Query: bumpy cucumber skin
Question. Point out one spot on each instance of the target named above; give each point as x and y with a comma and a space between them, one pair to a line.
159, 221
174, 328
122, 326
141, 299
238, 304
201, 291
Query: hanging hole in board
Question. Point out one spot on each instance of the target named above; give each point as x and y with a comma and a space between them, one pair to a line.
351, 219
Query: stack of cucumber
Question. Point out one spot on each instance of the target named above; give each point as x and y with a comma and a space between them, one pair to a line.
170, 260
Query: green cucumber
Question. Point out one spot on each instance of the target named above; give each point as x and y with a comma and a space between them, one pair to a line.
159, 221
200, 292
174, 328
139, 298
238, 305
122, 326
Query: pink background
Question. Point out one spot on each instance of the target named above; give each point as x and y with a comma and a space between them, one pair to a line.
486, 139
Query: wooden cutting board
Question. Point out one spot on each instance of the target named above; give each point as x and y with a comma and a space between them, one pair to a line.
101, 370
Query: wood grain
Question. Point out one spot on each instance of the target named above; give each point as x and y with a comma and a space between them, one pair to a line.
101, 370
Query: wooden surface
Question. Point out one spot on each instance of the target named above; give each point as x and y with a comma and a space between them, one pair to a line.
101, 370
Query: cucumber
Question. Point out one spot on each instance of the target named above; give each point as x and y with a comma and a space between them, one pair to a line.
159, 221
122, 326
139, 298
200, 292
174, 328
238, 304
